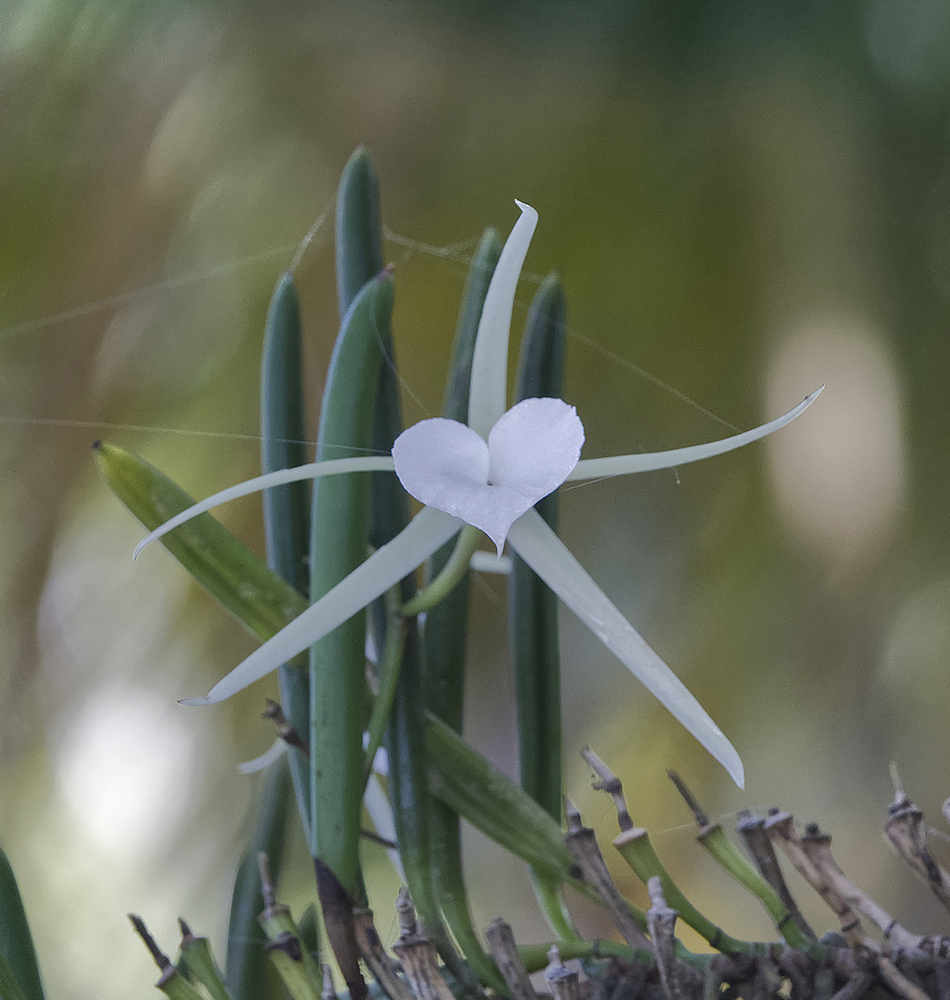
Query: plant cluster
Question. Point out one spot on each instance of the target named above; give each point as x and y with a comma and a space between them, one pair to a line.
346, 543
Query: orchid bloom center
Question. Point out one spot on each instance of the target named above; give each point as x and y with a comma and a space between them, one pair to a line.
489, 484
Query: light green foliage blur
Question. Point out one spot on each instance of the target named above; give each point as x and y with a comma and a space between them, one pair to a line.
741, 206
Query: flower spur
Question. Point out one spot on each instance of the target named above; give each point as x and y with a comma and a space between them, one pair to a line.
489, 474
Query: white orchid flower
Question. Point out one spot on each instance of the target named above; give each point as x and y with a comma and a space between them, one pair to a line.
490, 474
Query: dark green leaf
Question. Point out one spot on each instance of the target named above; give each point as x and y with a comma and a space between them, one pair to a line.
16, 942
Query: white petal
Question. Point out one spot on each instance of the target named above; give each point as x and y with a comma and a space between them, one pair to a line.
438, 461
313, 470
619, 465
488, 388
446, 465
385, 567
534, 447
276, 750
544, 552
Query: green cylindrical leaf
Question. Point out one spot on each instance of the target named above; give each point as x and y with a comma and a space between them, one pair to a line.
359, 242
222, 564
283, 437
9, 987
16, 942
339, 536
532, 607
247, 970
492, 802
287, 508
359, 255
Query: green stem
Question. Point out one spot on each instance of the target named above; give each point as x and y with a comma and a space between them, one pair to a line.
535, 956
548, 893
714, 839
637, 850
450, 576
389, 668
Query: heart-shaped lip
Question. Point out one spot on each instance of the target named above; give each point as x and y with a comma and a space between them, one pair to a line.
489, 484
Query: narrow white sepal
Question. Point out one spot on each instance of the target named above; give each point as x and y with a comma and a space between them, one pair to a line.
621, 465
277, 750
428, 530
313, 470
547, 555
488, 387
529, 453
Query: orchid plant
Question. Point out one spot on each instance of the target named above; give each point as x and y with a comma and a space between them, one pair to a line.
487, 476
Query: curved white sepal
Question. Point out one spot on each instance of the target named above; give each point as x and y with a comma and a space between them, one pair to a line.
547, 555
621, 465
276, 750
428, 530
313, 470
488, 387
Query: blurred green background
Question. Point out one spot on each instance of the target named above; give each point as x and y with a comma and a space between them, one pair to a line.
744, 201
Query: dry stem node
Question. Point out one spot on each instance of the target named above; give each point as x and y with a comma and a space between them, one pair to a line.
609, 783
267, 886
817, 847
781, 829
285, 730
501, 944
906, 831
328, 992
702, 820
161, 959
384, 969
170, 976
564, 982
417, 955
752, 830
662, 924
583, 845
